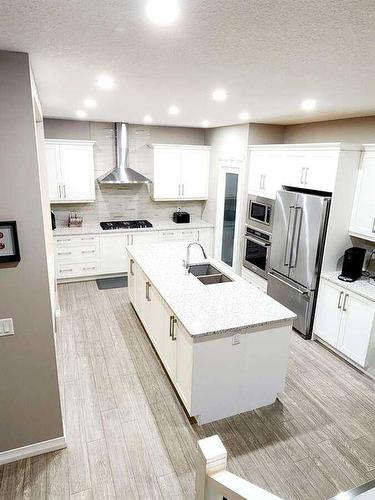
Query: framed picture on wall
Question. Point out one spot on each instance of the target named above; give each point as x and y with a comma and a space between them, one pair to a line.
9, 247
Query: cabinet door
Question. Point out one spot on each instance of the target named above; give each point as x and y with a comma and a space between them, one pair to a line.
320, 173
204, 237
356, 329
113, 254
329, 312
53, 171
184, 364
295, 165
132, 280
363, 217
167, 174
156, 325
257, 169
194, 173
77, 171
170, 345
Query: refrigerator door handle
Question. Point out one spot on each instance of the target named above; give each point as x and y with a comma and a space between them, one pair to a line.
305, 292
296, 236
287, 251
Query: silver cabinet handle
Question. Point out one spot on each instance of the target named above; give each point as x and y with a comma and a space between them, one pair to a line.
172, 322
264, 181
60, 192
64, 191
88, 238
89, 268
131, 267
170, 325
148, 286
339, 303
66, 270
344, 305
306, 172
302, 172
198, 234
127, 240
88, 251
64, 239
132, 239
64, 253
373, 226
179, 190
260, 181
183, 189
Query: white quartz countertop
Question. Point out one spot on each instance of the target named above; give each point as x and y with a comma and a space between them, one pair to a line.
157, 225
207, 309
361, 286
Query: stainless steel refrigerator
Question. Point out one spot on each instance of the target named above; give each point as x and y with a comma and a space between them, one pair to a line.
298, 237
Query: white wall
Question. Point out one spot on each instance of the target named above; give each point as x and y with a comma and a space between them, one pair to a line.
29, 397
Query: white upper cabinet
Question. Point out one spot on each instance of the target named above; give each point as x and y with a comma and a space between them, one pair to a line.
70, 168
301, 166
363, 216
265, 174
180, 172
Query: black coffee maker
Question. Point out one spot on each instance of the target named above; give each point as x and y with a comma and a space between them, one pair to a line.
353, 264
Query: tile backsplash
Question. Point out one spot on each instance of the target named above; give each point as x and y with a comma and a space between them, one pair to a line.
126, 202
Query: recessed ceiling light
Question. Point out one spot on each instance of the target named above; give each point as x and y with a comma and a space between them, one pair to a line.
173, 110
308, 104
80, 113
147, 119
162, 12
205, 123
89, 103
244, 116
105, 82
219, 95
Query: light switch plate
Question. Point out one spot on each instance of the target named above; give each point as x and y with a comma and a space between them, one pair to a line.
6, 327
236, 339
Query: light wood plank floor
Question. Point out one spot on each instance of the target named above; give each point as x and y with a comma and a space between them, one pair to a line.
128, 436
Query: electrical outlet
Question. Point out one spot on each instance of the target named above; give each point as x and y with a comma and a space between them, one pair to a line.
236, 339
6, 327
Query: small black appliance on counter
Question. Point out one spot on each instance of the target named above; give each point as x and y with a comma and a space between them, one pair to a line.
181, 217
352, 264
53, 220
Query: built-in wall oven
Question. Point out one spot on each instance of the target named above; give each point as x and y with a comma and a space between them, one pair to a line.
260, 212
257, 250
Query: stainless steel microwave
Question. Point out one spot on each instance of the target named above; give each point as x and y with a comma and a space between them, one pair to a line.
260, 212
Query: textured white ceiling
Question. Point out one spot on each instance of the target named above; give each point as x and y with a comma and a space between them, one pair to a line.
269, 55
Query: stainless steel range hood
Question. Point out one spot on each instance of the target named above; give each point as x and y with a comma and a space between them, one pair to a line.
122, 174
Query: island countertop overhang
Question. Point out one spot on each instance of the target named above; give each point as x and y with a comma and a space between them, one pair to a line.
207, 310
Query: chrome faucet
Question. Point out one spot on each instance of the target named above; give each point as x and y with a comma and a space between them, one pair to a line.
186, 262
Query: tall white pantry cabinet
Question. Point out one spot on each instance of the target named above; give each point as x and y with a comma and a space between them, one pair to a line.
70, 169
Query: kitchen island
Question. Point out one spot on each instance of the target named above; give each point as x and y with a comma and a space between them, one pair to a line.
224, 345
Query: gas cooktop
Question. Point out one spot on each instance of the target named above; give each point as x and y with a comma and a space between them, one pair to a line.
125, 224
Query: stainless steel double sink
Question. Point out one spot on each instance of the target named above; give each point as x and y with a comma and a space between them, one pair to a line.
208, 274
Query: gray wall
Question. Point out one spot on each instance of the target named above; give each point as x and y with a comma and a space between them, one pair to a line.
124, 202
29, 397
260, 133
354, 130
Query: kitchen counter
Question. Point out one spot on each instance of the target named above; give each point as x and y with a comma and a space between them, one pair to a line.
158, 225
361, 286
216, 309
225, 346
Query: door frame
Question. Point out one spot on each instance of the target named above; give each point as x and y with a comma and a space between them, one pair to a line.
223, 170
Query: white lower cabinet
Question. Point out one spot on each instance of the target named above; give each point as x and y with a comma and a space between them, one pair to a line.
345, 320
91, 255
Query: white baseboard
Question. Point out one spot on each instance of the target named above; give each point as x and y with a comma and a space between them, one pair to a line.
32, 450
